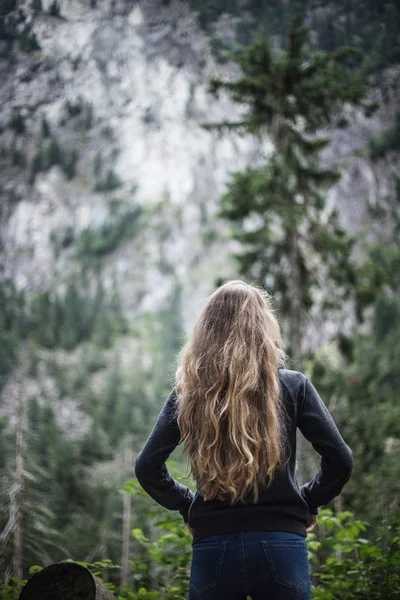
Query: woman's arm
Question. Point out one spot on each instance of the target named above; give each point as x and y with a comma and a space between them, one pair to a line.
150, 468
318, 427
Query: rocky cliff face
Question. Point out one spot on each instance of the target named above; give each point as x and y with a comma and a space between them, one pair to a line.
103, 155
110, 109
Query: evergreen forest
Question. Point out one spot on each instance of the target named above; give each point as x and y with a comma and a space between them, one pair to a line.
290, 180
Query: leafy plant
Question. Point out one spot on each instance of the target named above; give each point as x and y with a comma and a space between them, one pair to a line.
349, 566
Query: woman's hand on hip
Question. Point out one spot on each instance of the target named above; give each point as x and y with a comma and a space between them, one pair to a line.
312, 523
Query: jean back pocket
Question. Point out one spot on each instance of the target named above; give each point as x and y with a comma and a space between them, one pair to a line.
207, 560
288, 562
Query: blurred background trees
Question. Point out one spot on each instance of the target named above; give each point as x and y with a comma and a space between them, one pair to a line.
85, 367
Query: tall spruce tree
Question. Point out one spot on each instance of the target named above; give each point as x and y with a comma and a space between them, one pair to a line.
277, 210
27, 533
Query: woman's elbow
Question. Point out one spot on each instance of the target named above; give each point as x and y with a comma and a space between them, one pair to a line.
348, 463
140, 467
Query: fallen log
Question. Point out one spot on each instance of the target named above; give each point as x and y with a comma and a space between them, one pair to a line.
65, 581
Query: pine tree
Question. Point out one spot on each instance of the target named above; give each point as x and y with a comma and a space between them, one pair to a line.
277, 209
28, 537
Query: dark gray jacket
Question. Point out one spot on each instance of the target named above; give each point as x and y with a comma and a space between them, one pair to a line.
283, 506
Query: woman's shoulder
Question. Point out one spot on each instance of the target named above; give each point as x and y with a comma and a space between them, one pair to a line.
292, 381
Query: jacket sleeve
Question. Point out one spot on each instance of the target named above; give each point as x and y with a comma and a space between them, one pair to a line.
150, 467
318, 427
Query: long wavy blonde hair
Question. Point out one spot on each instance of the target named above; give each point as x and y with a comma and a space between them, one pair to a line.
228, 394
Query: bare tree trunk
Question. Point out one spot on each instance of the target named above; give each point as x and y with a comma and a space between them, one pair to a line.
295, 336
104, 552
125, 539
18, 496
126, 524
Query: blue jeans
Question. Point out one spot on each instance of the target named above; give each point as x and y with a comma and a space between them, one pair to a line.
265, 565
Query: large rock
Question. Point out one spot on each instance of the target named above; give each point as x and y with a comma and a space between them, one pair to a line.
65, 581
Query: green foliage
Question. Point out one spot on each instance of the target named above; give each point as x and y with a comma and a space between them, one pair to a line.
359, 379
28, 42
37, 6
74, 108
61, 478
373, 421
46, 132
52, 154
36, 165
97, 164
88, 116
260, 17
388, 141
110, 182
357, 21
12, 591
96, 567
7, 449
54, 320
161, 561
347, 560
62, 237
98, 243
37, 517
219, 48
54, 9
280, 87
348, 565
69, 164
11, 306
17, 123
16, 27
379, 271
277, 209
18, 157
170, 556
335, 24
7, 22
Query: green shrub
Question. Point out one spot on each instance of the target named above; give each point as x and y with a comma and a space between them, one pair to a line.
161, 565
347, 565
346, 562
12, 591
